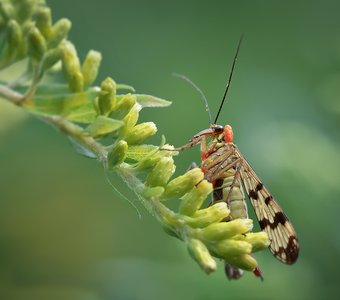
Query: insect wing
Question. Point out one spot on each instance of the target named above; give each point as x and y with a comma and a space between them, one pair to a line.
284, 243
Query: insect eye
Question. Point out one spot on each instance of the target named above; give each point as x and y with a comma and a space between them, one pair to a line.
228, 134
218, 129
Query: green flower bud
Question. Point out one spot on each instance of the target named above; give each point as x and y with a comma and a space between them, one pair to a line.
117, 154
37, 44
153, 192
14, 36
193, 200
76, 82
91, 66
43, 21
183, 184
24, 9
71, 67
225, 230
71, 62
6, 11
258, 240
140, 133
51, 58
204, 217
200, 253
244, 262
59, 32
123, 106
230, 247
161, 173
131, 119
107, 95
149, 161
26, 27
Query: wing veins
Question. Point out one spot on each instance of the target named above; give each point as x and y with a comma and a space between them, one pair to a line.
284, 243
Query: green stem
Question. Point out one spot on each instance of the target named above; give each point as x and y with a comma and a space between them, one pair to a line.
11, 95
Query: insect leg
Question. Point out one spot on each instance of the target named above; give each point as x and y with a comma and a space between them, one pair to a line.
236, 177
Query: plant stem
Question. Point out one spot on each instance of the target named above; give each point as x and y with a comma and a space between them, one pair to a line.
11, 95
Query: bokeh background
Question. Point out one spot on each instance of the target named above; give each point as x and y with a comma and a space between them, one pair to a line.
65, 234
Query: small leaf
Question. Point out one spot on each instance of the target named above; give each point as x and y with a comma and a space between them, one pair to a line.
121, 86
151, 101
81, 149
74, 107
140, 152
46, 89
103, 125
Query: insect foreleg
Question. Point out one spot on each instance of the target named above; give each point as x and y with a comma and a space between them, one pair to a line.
191, 143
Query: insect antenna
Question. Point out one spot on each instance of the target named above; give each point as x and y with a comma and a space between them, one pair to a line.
229, 80
205, 101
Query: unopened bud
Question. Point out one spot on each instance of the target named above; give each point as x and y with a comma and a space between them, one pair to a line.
161, 173
204, 217
51, 58
43, 21
258, 240
91, 66
6, 10
76, 82
244, 261
117, 155
123, 106
201, 254
14, 36
107, 95
230, 247
71, 67
153, 192
131, 119
225, 230
37, 44
193, 200
140, 133
150, 160
183, 184
59, 32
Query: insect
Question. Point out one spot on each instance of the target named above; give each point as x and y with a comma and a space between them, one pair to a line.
226, 168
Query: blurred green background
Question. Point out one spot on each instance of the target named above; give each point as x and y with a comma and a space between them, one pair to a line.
65, 234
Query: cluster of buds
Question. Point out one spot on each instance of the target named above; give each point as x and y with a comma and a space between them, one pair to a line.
107, 121
202, 229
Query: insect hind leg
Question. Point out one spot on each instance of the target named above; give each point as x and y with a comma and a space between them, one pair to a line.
236, 177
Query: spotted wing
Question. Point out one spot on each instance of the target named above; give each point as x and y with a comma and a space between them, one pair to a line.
283, 240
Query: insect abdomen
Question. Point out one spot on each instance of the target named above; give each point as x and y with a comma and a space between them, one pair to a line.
237, 205
236, 201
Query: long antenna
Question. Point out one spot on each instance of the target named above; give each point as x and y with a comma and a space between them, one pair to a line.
229, 80
205, 101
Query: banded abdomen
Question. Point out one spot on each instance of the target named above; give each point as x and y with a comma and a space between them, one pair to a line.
237, 205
